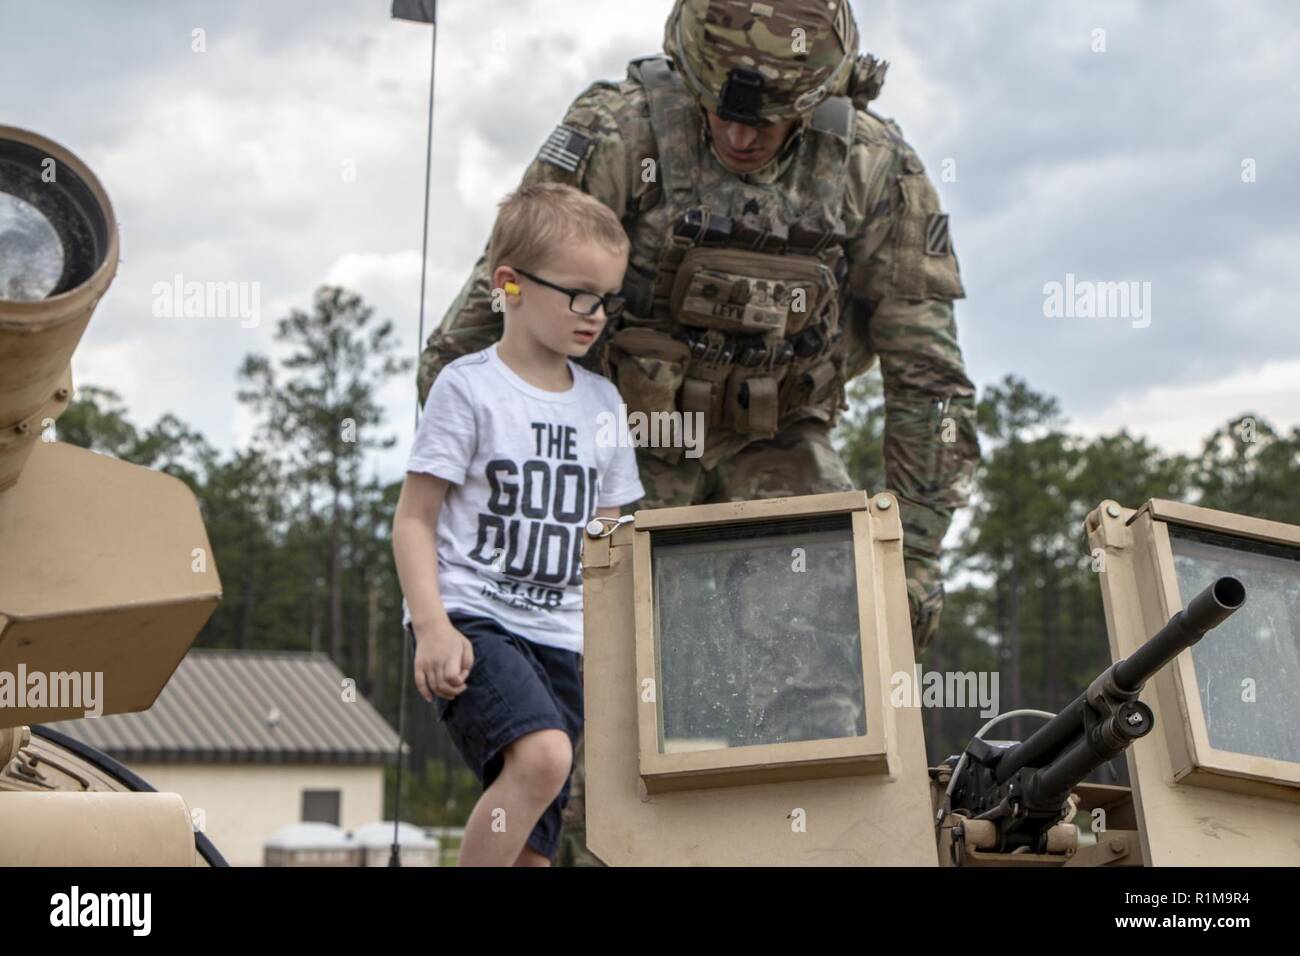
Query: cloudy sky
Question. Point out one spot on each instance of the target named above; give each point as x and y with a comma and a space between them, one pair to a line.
1108, 141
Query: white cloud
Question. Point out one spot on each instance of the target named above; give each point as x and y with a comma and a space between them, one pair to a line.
1180, 418
365, 269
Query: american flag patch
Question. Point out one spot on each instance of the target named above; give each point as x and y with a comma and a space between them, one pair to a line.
565, 148
936, 235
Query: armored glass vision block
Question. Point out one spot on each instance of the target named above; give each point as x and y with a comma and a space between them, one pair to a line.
1219, 779
1248, 678
761, 632
756, 634
738, 659
738, 662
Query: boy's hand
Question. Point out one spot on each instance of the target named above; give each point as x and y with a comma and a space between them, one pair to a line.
443, 659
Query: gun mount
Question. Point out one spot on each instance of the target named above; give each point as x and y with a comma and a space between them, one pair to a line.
1023, 790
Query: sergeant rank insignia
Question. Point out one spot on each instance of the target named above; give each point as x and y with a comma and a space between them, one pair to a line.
936, 235
565, 148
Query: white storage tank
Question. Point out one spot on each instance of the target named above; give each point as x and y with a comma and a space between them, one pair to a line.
374, 842
311, 844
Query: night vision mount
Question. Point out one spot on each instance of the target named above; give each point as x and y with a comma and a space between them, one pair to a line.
742, 97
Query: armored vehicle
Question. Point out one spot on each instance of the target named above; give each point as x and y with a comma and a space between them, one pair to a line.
106, 573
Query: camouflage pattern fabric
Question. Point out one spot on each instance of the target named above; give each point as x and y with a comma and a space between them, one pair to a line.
893, 303
799, 461
804, 49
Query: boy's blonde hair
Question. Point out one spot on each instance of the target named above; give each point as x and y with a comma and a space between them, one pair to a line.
533, 220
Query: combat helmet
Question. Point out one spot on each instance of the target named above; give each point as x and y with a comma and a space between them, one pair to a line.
763, 62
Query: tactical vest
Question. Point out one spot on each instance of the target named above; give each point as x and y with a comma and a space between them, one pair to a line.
734, 289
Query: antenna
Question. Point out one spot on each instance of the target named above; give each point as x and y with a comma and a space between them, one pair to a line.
421, 11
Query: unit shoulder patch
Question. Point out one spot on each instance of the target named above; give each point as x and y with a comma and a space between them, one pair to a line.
937, 242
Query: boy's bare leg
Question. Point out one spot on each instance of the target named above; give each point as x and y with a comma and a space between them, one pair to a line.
535, 768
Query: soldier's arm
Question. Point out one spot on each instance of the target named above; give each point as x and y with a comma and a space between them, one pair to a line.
586, 151
904, 278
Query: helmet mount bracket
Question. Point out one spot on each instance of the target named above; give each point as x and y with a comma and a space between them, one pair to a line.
742, 97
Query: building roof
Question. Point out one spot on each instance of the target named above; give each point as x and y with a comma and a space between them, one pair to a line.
231, 706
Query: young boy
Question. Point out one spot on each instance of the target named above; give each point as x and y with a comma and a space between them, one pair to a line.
503, 477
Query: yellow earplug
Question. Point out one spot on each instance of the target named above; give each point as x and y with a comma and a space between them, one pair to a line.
512, 288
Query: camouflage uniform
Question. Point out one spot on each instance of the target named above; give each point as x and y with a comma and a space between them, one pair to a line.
859, 266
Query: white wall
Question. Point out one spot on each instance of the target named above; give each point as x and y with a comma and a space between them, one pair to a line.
244, 804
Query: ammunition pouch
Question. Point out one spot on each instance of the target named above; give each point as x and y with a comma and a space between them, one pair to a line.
810, 381
705, 388
649, 368
752, 384
752, 402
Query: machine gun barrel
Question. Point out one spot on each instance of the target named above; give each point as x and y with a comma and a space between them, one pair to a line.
1205, 611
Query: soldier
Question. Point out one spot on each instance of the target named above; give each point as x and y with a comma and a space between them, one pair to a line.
784, 237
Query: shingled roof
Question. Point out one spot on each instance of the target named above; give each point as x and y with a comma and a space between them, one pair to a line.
230, 706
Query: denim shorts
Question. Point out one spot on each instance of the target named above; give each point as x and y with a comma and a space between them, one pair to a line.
515, 687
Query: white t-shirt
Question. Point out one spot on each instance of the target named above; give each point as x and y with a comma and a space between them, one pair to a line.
527, 474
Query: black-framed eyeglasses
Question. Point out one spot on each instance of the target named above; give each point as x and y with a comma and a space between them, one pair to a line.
580, 300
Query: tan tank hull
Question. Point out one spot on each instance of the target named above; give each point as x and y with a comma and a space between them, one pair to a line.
95, 829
